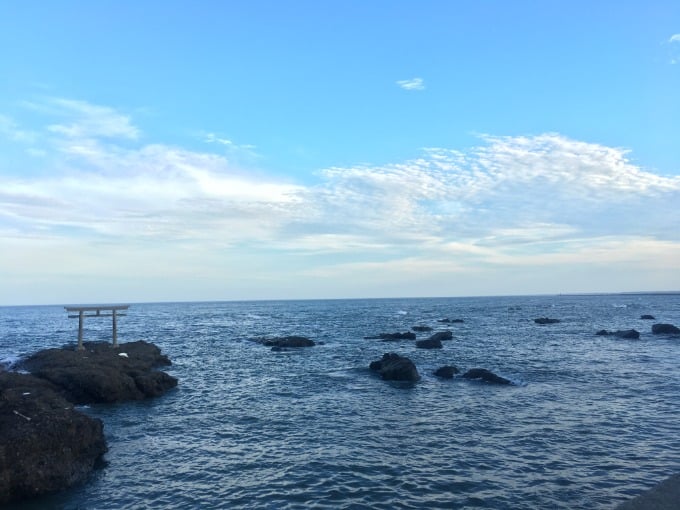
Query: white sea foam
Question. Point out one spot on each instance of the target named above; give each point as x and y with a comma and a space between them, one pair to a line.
8, 362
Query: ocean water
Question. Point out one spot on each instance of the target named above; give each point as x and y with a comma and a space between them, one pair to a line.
590, 422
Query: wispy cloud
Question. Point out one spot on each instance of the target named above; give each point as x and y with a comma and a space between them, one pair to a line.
674, 44
412, 84
229, 145
80, 119
514, 201
10, 129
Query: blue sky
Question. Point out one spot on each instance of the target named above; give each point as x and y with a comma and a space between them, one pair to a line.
253, 150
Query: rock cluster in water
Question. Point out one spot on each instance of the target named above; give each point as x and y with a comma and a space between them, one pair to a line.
394, 367
657, 329
47, 445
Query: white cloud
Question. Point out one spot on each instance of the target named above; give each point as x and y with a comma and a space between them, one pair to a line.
412, 84
83, 120
674, 38
10, 130
543, 201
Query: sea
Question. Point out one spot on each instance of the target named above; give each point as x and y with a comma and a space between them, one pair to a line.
589, 421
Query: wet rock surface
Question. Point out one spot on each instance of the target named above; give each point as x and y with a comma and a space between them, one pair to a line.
665, 329
393, 367
390, 337
285, 342
429, 343
546, 320
446, 372
485, 375
441, 336
629, 334
101, 373
45, 444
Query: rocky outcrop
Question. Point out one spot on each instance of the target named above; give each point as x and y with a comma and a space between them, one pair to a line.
421, 329
390, 337
663, 496
441, 336
647, 317
546, 320
45, 445
393, 367
485, 375
446, 372
101, 373
429, 343
665, 329
284, 342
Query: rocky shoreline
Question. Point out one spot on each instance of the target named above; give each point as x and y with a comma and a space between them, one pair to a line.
47, 445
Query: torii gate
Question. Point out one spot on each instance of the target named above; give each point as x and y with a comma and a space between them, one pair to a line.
96, 309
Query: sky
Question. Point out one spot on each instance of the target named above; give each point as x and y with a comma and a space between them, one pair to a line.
232, 150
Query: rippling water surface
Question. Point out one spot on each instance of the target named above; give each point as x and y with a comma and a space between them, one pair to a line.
590, 421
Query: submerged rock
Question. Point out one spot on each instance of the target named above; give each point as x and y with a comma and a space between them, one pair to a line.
546, 320
99, 374
451, 321
665, 329
393, 367
429, 343
442, 336
446, 372
421, 328
389, 337
630, 334
647, 317
284, 342
45, 445
485, 375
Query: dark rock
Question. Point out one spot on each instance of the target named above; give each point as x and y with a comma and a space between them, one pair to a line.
390, 337
288, 341
441, 336
45, 445
485, 375
430, 343
393, 367
421, 328
446, 372
546, 320
665, 329
629, 334
647, 317
451, 321
101, 373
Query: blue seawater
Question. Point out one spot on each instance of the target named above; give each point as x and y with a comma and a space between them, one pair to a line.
590, 422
